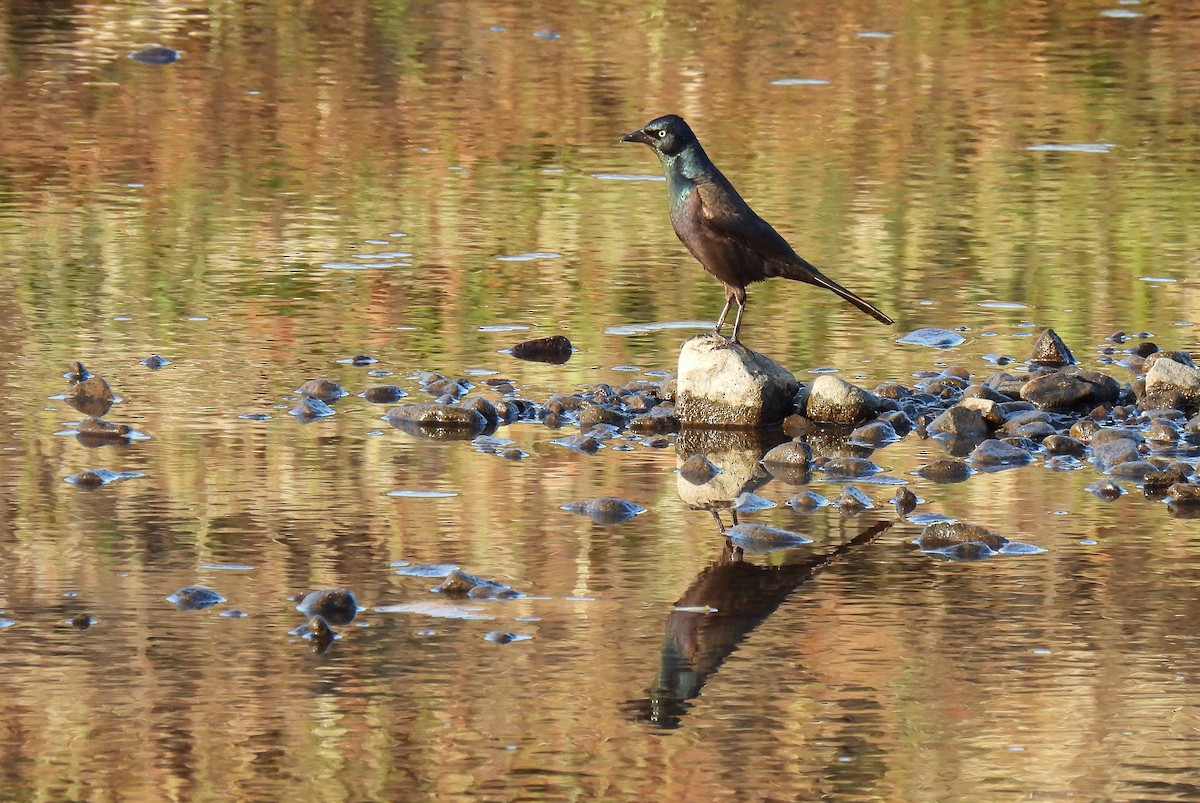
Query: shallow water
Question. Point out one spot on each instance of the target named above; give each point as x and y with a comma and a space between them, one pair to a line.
432, 184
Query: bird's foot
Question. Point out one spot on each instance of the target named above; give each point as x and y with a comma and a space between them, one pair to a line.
725, 341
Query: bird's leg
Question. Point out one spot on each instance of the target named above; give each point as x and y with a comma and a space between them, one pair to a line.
737, 321
724, 312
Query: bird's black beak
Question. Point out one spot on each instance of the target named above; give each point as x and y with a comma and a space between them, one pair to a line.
637, 136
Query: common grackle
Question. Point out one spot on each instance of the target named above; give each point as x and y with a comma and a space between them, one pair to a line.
720, 229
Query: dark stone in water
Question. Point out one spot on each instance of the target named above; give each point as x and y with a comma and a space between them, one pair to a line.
1071, 388
994, 454
1157, 483
460, 584
942, 534
1135, 470
698, 469
154, 362
592, 414
501, 637
905, 501
155, 54
584, 444
82, 621
337, 605
103, 430
874, 434
1112, 452
807, 502
660, 420
383, 394
761, 538
793, 454
853, 501
363, 359
605, 509
91, 396
1183, 493
1064, 444
77, 373
326, 390
484, 407
961, 421
437, 421
319, 631
555, 350
1106, 490
1051, 351
194, 598
945, 471
309, 410
850, 467
93, 478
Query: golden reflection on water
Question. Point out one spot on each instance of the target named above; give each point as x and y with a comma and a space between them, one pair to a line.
207, 210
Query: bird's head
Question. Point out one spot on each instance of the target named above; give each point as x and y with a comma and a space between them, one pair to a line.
666, 135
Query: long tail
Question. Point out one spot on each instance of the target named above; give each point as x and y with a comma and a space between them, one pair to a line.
806, 272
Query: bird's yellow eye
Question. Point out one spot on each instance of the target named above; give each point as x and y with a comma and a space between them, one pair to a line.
661, 133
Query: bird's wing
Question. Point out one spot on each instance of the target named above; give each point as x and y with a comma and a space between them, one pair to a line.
725, 213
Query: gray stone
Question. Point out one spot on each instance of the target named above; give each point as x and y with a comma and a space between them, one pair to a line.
724, 385
835, 401
482, 406
945, 471
761, 538
1113, 452
994, 454
1070, 388
875, 434
1064, 444
592, 414
793, 454
1167, 376
850, 467
436, 415
961, 421
326, 390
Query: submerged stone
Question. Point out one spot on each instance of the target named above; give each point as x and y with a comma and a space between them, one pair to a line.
724, 385
1106, 490
994, 454
461, 584
850, 467
194, 598
905, 501
154, 362
807, 502
308, 410
582, 443
383, 394
760, 538
793, 454
1070, 388
93, 478
326, 390
698, 469
155, 54
852, 501
933, 338
437, 421
337, 605
90, 396
944, 472
606, 509
748, 502
82, 621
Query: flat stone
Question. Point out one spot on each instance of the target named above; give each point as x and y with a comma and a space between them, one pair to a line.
1169, 376
993, 454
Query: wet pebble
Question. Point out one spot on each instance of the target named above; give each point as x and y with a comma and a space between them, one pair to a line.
505, 637
555, 350
850, 467
308, 410
606, 509
383, 394
318, 630
1106, 490
461, 584
960, 540
945, 471
905, 501
82, 621
793, 454
994, 455
1051, 351
748, 502
155, 54
337, 605
835, 401
583, 444
93, 478
807, 502
933, 338
761, 538
698, 469
154, 362
430, 419
592, 414
194, 598
91, 396
852, 501
325, 390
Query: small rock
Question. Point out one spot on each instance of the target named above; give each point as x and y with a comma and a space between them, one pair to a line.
660, 420
91, 396
363, 359
436, 416
807, 502
698, 469
154, 362
853, 501
760, 538
309, 410
1051, 351
555, 350
194, 598
932, 337
592, 414
962, 422
905, 501
850, 467
326, 390
1083, 430
1064, 444
337, 605
82, 621
1171, 376
874, 434
606, 509
994, 454
1070, 388
484, 407
1157, 483
748, 502
835, 401
582, 443
942, 534
460, 584
1106, 490
383, 394
155, 54
945, 471
1183, 493
793, 454
1133, 470
1114, 451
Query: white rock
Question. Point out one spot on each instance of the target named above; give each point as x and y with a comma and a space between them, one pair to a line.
1169, 375
723, 385
835, 401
